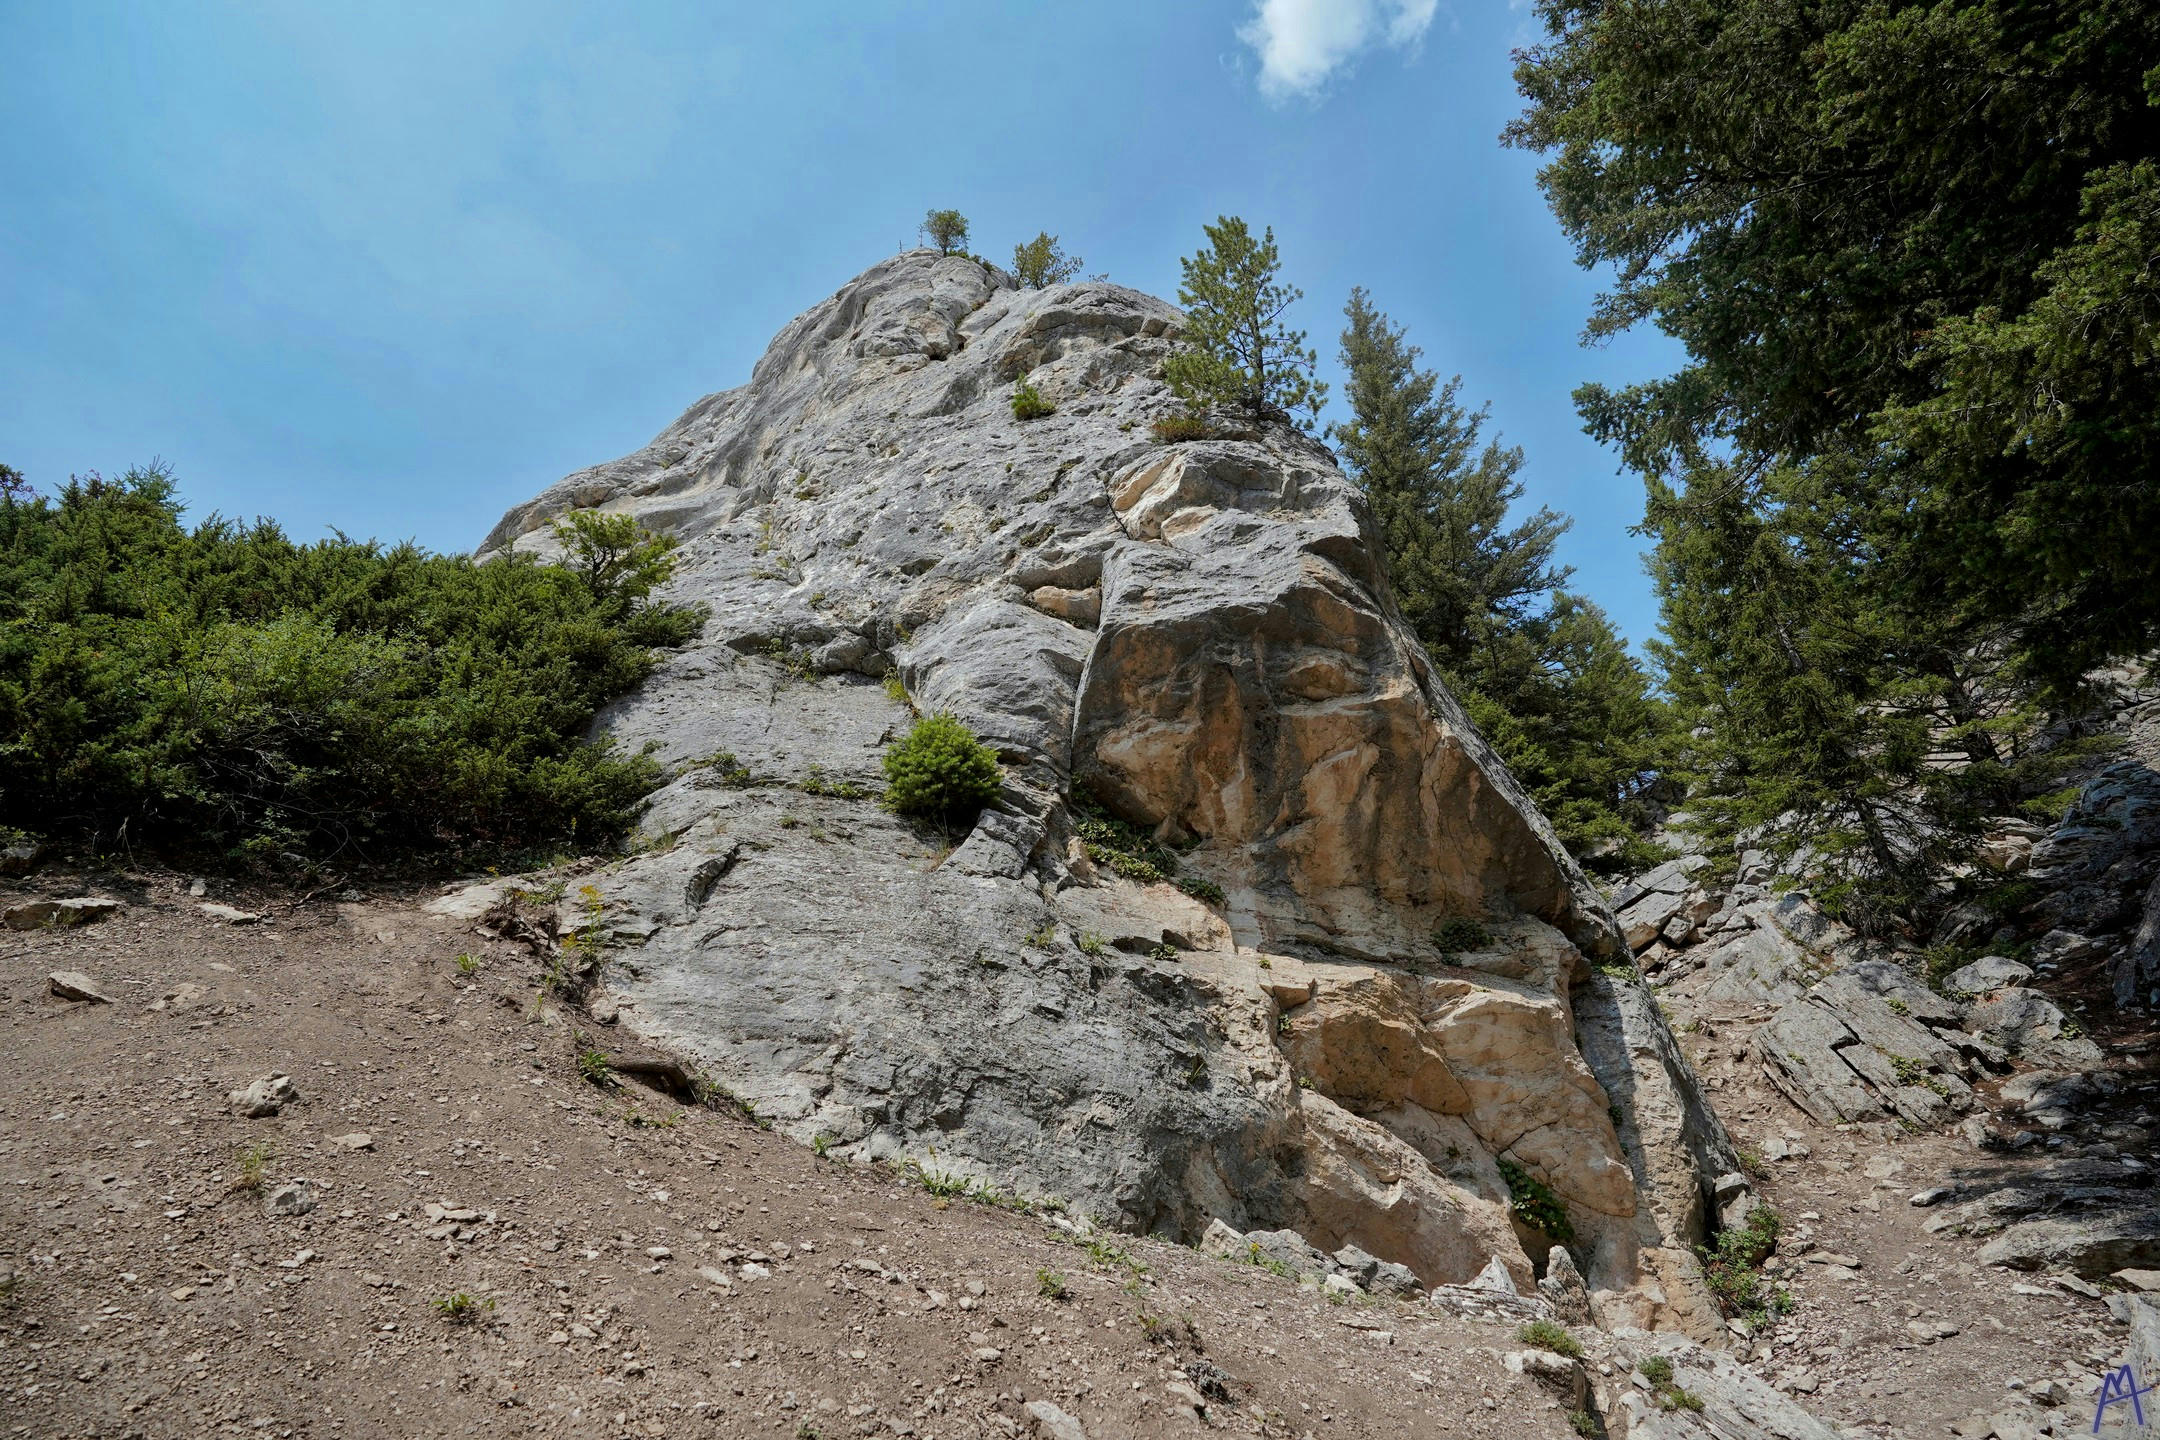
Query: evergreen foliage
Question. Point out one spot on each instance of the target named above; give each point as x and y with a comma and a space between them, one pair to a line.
1041, 263
948, 230
940, 771
1541, 672
228, 687
1237, 349
1904, 488
1028, 403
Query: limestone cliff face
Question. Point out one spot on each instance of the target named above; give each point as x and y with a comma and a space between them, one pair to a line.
1201, 637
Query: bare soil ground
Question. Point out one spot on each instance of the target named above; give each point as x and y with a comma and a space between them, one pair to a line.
590, 1230
1852, 1345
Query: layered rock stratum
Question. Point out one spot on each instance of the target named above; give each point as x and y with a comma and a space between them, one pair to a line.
1199, 639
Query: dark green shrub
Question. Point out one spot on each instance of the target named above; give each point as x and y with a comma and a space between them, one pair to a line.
1534, 1203
940, 771
1123, 848
1207, 892
227, 687
1175, 429
1459, 933
1028, 403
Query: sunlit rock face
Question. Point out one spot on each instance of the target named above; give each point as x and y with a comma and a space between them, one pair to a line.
1200, 638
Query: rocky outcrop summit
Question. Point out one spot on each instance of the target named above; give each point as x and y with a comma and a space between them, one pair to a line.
1199, 639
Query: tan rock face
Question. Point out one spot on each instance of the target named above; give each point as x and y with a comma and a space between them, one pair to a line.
1249, 687
1498, 1054
1366, 1186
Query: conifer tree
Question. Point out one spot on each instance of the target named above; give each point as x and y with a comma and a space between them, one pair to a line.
1903, 485
1237, 349
1542, 672
947, 229
1041, 262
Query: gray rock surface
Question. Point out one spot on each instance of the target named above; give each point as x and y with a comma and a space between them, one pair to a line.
74, 985
2089, 1216
259, 1099
1197, 635
1735, 1404
1986, 975
2030, 1026
1869, 1042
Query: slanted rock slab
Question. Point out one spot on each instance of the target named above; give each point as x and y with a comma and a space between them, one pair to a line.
74, 985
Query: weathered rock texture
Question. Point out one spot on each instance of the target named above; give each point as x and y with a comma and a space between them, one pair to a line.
1200, 636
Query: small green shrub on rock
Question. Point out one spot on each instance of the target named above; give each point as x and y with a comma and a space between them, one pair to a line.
940, 771
1534, 1203
1028, 403
1546, 1335
948, 230
1041, 262
1176, 429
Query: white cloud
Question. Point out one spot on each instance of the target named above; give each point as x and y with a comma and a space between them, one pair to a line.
1303, 42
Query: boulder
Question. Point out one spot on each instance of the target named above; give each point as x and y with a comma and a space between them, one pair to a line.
2028, 1024
295, 1197
1562, 1288
1289, 1249
1732, 1403
1222, 1242
1647, 918
1047, 1422
2093, 1243
2136, 971
1986, 975
1755, 966
58, 914
1867, 1042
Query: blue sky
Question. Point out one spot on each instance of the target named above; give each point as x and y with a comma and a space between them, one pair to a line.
394, 267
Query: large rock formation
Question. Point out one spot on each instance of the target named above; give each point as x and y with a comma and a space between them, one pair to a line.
1200, 637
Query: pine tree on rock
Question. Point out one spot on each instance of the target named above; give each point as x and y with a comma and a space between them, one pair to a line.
1237, 349
1903, 485
1442, 501
948, 230
1041, 262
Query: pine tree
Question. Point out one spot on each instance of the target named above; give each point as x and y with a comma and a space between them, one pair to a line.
1041, 262
947, 229
1902, 487
1237, 350
1441, 500
1542, 673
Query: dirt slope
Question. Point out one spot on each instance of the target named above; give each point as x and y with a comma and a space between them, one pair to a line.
588, 1225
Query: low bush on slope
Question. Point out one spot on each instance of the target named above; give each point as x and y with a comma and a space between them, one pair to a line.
228, 687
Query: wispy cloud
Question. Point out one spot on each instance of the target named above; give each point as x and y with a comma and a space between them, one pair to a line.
1302, 43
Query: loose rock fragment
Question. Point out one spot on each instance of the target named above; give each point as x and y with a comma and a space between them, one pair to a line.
74, 985
264, 1097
